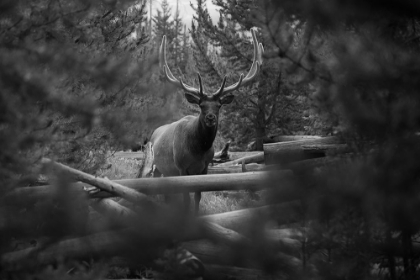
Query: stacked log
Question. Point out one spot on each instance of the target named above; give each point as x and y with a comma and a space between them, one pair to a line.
287, 152
209, 237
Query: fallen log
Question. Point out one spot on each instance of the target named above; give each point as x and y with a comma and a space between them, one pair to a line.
297, 167
287, 152
252, 167
238, 155
198, 183
257, 157
151, 186
325, 148
288, 138
103, 184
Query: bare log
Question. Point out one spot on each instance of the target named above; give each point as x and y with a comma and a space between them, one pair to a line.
201, 183
286, 152
288, 138
166, 185
235, 168
325, 148
254, 158
103, 184
239, 155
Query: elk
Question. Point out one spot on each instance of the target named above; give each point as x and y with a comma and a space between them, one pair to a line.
185, 147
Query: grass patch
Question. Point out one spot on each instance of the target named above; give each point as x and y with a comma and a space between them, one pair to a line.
120, 168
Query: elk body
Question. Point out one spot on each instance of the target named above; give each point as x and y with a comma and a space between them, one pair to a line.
185, 147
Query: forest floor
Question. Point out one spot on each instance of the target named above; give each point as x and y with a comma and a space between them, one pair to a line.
211, 202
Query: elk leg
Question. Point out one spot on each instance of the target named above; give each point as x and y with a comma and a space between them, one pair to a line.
186, 195
197, 198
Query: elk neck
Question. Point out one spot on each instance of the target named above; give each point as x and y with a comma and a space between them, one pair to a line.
202, 136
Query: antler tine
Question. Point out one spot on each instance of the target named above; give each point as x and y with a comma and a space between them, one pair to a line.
200, 82
163, 65
255, 67
220, 90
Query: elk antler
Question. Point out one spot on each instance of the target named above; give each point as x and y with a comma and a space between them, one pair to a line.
253, 72
163, 64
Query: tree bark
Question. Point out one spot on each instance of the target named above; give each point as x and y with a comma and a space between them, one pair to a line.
260, 135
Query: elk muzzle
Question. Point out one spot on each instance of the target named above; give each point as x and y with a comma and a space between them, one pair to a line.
210, 120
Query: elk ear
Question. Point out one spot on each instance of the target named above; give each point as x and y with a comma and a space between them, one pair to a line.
192, 98
227, 99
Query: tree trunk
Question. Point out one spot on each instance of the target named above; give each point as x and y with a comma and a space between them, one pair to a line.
260, 133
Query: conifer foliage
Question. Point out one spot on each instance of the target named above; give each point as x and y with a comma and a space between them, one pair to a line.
257, 106
69, 72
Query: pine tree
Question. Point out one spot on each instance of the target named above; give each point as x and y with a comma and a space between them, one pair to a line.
164, 25
204, 65
177, 37
185, 50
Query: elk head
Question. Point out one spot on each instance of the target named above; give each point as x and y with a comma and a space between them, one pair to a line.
210, 103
